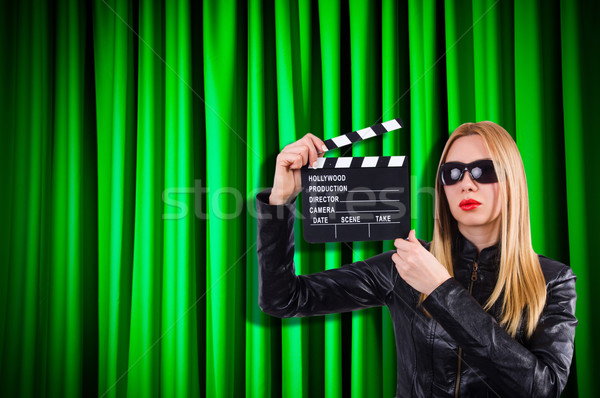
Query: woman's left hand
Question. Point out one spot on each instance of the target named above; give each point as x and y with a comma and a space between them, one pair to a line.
417, 266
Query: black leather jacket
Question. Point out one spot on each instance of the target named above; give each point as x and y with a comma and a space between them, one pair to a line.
493, 363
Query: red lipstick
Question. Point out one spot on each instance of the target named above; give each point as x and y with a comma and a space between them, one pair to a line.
469, 204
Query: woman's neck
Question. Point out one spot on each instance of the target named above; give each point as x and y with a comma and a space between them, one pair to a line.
481, 236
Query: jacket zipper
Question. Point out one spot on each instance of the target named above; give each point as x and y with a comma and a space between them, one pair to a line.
473, 279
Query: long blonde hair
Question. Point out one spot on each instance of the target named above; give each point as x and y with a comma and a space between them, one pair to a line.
520, 281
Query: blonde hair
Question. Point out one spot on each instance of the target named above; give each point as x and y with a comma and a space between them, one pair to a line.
520, 283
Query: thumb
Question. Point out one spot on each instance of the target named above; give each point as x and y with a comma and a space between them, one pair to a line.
412, 237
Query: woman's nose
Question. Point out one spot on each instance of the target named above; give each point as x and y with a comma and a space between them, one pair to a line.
467, 183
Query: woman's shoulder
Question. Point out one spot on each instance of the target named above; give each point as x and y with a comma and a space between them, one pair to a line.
561, 293
555, 271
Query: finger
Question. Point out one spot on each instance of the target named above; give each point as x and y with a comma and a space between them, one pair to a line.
400, 256
412, 236
318, 143
312, 151
298, 148
298, 163
289, 159
314, 148
402, 244
398, 263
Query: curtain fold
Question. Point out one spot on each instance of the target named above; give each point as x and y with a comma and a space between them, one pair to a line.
291, 91
258, 332
579, 29
116, 141
143, 360
366, 369
224, 94
137, 134
330, 33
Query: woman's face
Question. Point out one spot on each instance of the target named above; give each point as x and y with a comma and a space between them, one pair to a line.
485, 216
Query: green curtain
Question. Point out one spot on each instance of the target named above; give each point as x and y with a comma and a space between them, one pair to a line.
137, 134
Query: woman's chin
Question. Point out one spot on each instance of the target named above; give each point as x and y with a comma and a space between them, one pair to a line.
474, 221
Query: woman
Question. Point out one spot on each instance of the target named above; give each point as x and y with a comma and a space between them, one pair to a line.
476, 312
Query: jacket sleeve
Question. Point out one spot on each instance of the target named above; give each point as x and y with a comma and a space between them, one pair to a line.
284, 294
539, 369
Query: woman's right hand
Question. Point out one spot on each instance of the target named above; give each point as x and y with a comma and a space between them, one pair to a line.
287, 183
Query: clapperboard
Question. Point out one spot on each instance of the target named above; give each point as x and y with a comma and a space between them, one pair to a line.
350, 199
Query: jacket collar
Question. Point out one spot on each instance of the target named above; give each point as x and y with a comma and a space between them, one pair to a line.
466, 252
